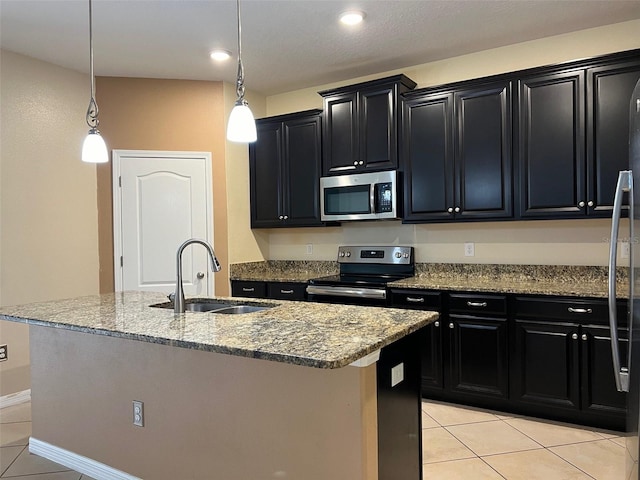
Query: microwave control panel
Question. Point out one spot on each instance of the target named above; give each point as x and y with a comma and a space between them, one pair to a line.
384, 197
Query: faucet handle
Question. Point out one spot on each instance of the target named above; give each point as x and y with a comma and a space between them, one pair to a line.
171, 296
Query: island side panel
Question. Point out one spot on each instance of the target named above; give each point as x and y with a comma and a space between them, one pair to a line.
207, 415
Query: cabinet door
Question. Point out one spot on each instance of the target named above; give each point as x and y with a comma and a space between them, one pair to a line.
427, 155
610, 89
599, 393
550, 145
286, 290
483, 152
340, 134
245, 288
265, 175
478, 356
377, 128
545, 370
432, 367
302, 164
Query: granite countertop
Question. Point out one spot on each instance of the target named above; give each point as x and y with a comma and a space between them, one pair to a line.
558, 280
301, 333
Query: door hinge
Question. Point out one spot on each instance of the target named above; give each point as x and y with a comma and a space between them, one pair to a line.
121, 261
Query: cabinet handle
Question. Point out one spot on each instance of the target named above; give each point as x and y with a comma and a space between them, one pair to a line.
286, 292
477, 304
360, 162
580, 204
579, 310
245, 289
584, 336
450, 210
415, 299
451, 325
574, 336
590, 203
286, 217
356, 162
436, 323
281, 217
457, 209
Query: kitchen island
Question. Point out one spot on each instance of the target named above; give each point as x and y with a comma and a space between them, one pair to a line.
286, 392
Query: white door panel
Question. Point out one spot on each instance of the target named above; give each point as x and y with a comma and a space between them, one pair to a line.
164, 200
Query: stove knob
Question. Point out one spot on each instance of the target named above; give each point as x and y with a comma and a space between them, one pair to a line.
348, 254
398, 254
342, 254
406, 255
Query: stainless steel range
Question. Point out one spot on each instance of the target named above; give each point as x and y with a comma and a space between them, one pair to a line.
364, 275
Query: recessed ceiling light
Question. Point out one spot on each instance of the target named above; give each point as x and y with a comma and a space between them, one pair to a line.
220, 55
352, 17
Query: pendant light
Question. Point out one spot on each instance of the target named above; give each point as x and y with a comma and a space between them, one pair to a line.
242, 126
94, 150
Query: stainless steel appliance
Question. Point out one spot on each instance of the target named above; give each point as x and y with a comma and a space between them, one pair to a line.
364, 274
360, 196
627, 367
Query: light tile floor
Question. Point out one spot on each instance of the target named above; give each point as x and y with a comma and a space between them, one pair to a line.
458, 443
468, 443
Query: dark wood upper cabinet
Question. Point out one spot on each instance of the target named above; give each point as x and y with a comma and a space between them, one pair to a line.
609, 90
456, 154
360, 126
285, 165
551, 145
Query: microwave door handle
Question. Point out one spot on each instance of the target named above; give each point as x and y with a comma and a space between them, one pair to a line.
372, 198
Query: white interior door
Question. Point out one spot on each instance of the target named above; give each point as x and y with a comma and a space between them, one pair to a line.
162, 199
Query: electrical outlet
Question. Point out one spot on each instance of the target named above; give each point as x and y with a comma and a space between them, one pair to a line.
624, 249
469, 249
397, 374
138, 413
309, 248
4, 353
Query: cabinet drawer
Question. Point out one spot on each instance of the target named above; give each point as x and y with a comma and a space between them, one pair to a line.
286, 290
249, 289
573, 309
418, 299
478, 304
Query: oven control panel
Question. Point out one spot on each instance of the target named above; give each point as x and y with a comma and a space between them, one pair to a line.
385, 255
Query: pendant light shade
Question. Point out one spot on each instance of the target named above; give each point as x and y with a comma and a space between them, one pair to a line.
241, 126
94, 150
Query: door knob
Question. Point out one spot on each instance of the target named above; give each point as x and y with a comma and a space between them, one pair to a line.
200, 275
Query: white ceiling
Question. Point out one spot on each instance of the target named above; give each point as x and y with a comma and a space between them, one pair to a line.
286, 44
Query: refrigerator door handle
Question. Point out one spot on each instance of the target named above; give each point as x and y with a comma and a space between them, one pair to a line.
625, 184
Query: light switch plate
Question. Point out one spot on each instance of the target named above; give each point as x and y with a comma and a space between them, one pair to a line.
397, 374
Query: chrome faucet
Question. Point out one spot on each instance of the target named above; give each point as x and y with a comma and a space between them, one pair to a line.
178, 300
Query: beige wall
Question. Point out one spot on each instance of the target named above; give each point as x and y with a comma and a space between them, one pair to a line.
175, 115
204, 412
48, 215
571, 242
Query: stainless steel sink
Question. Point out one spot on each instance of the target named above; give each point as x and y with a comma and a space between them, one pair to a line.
213, 306
236, 309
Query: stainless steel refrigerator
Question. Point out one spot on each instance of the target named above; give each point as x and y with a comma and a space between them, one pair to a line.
626, 360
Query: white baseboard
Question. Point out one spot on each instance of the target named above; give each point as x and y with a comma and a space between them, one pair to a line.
76, 462
15, 398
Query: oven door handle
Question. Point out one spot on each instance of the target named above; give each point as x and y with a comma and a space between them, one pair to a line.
354, 292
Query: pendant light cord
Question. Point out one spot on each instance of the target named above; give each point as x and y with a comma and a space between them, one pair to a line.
92, 111
240, 79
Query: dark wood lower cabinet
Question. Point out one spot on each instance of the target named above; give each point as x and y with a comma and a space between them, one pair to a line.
274, 290
478, 356
545, 370
548, 357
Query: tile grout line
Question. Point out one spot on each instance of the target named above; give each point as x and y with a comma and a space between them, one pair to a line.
14, 460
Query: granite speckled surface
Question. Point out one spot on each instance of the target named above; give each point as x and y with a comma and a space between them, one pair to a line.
282, 270
560, 280
309, 334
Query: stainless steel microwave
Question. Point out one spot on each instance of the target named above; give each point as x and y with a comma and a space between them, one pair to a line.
359, 196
